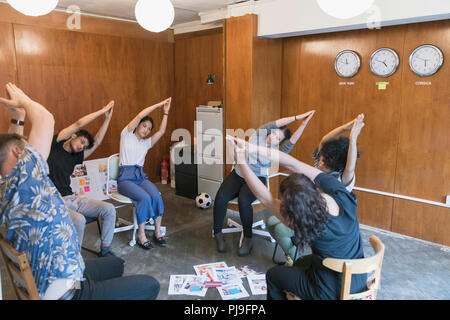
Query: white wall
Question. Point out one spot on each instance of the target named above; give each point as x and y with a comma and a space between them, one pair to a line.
280, 18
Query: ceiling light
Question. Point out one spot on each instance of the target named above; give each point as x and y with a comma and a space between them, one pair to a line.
154, 15
345, 9
33, 7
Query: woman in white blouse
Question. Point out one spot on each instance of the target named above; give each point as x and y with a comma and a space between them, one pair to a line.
132, 181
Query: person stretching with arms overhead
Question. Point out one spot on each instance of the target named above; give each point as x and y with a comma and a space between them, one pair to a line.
70, 147
274, 134
132, 181
38, 222
323, 215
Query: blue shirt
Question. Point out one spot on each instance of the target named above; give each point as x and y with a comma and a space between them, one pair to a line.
38, 223
257, 163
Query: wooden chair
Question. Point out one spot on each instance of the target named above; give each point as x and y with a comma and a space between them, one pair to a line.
359, 266
356, 266
19, 272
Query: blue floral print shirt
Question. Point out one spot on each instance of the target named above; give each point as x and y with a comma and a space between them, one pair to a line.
38, 223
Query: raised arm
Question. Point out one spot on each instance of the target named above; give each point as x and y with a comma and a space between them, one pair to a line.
349, 171
287, 120
256, 186
282, 158
102, 131
162, 127
17, 118
305, 119
80, 123
135, 122
42, 121
335, 133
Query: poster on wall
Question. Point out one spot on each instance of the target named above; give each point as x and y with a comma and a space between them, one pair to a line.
89, 179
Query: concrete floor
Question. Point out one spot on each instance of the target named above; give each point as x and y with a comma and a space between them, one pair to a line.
412, 269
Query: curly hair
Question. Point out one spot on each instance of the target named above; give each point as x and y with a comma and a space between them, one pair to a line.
303, 207
334, 153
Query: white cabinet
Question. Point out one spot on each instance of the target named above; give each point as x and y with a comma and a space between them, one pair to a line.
209, 152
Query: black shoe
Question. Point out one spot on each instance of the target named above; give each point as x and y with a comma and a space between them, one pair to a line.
159, 241
246, 247
106, 254
220, 242
146, 246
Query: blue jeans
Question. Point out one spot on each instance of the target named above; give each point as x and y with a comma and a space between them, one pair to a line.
104, 281
134, 184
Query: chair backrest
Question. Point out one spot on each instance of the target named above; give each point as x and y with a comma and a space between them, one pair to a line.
19, 272
113, 166
359, 266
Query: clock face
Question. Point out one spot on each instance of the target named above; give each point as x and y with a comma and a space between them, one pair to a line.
384, 62
426, 60
347, 63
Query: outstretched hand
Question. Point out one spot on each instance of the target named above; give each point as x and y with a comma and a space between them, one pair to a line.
358, 124
15, 100
108, 110
166, 104
240, 149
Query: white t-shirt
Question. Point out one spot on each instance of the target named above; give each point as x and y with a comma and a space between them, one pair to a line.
133, 150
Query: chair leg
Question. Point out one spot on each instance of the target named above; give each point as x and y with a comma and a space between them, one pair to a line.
135, 227
274, 253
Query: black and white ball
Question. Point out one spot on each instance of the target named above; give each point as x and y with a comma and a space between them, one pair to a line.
203, 200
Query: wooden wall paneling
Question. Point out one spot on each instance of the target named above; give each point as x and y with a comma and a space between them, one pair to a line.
154, 83
239, 59
374, 210
8, 69
58, 20
238, 44
319, 90
423, 166
82, 72
195, 58
419, 220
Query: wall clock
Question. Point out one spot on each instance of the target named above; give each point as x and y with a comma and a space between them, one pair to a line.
426, 60
347, 63
384, 62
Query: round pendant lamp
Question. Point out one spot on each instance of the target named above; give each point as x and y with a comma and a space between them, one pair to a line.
154, 15
345, 9
33, 7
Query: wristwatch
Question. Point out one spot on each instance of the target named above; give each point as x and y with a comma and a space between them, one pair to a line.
17, 122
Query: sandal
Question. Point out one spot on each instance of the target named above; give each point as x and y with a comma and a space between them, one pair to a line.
147, 245
159, 241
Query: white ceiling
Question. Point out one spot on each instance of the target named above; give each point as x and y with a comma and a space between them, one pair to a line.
185, 10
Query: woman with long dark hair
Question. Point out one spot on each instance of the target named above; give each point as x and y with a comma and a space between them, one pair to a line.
323, 215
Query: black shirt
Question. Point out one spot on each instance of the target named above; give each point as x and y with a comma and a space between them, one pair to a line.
341, 239
61, 164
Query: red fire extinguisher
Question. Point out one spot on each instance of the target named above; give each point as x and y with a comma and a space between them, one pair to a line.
165, 170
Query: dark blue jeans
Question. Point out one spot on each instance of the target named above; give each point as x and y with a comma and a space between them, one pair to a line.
104, 281
235, 186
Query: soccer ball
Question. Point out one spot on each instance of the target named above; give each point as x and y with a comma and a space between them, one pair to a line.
203, 200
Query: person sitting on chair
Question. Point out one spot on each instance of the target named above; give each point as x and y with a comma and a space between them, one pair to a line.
335, 155
132, 182
70, 147
274, 134
38, 222
323, 215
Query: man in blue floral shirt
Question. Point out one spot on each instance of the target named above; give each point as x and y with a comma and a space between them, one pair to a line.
38, 223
